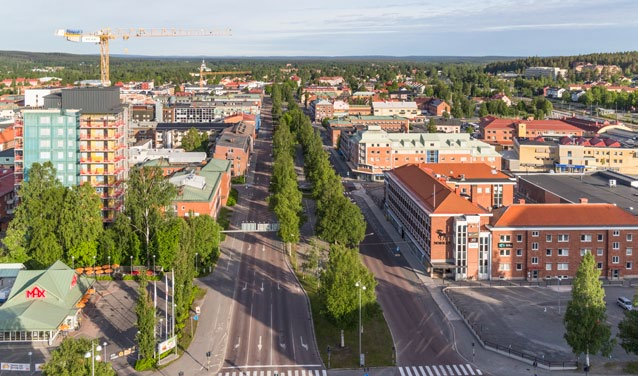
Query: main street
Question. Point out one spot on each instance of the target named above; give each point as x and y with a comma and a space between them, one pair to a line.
423, 337
271, 328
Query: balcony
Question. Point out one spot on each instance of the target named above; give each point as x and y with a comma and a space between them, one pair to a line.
88, 124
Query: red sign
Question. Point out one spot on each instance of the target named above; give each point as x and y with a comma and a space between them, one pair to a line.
36, 293
74, 281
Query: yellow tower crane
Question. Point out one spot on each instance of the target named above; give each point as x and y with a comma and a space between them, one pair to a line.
103, 37
204, 71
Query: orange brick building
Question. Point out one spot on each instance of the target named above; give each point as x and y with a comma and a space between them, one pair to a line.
202, 192
502, 132
537, 241
481, 184
447, 231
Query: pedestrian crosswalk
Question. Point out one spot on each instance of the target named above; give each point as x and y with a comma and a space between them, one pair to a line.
274, 372
441, 370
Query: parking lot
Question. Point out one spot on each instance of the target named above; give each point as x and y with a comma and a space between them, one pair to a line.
530, 319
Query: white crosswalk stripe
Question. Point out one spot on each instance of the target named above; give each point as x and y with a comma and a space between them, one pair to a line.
436, 370
416, 372
303, 372
324, 373
317, 373
267, 373
261, 373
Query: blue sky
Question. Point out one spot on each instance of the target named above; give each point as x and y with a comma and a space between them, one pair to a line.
332, 28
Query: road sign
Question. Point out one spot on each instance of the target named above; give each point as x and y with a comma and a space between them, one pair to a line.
196, 317
197, 310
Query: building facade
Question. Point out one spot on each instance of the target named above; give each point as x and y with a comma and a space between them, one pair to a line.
372, 151
446, 231
406, 110
542, 241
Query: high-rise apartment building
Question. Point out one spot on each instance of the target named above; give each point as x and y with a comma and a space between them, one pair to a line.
82, 131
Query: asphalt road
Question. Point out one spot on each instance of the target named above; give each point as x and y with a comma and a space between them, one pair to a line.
271, 330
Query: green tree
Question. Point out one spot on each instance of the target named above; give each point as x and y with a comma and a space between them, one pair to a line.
80, 224
341, 221
192, 140
206, 238
31, 236
431, 126
585, 317
145, 321
628, 330
69, 359
338, 286
148, 193
483, 112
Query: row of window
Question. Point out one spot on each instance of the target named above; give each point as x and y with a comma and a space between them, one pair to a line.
565, 252
563, 237
560, 266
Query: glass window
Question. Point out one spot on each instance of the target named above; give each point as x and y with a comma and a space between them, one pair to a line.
534, 233
599, 265
585, 237
630, 237
535, 260
562, 266
548, 266
563, 238
45, 143
616, 232
600, 237
563, 252
505, 238
45, 131
534, 246
519, 266
505, 252
548, 252
519, 238
548, 238
519, 252
615, 259
630, 251
45, 155
599, 252
628, 265
615, 245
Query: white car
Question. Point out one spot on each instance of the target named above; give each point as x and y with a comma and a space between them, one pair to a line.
625, 303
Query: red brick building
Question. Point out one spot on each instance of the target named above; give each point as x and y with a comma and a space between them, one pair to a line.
202, 192
477, 182
447, 231
502, 132
536, 241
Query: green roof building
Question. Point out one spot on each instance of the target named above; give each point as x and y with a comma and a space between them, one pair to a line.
42, 303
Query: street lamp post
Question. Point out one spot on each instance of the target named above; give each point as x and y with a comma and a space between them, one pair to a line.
30, 354
73, 261
131, 265
104, 344
559, 279
109, 257
196, 264
94, 257
154, 265
360, 287
93, 357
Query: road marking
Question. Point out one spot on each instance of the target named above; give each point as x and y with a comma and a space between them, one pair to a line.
470, 369
401, 371
237, 344
267, 373
449, 369
324, 373
317, 373
407, 369
463, 369
305, 346
263, 248
436, 370
429, 371
296, 372
262, 287
234, 373
457, 370
259, 347
478, 372
416, 372
303, 372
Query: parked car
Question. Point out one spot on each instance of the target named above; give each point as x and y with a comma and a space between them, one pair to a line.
625, 303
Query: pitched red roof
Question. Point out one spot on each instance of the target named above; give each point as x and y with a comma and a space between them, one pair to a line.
474, 171
432, 193
562, 215
498, 123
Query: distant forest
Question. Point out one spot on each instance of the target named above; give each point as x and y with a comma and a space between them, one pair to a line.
628, 61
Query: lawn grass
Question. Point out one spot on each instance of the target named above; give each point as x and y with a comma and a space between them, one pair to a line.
376, 338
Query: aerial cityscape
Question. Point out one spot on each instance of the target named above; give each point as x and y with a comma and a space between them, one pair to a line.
329, 189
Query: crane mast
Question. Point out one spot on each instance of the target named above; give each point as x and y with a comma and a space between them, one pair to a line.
104, 36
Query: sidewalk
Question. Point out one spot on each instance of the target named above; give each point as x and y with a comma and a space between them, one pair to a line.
486, 360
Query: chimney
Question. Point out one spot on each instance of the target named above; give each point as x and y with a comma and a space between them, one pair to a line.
521, 201
583, 200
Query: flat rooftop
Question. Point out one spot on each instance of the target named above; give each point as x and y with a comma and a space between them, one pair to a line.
594, 187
